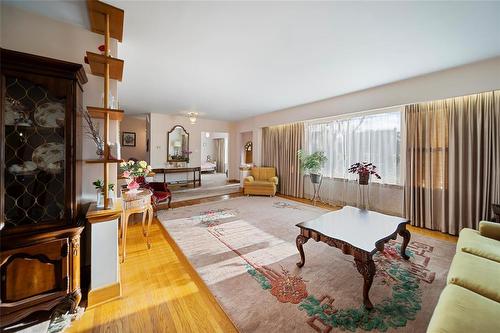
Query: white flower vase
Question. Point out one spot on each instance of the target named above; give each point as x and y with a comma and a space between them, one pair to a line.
111, 196
100, 199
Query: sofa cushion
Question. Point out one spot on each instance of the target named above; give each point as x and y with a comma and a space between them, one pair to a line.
477, 274
460, 310
472, 242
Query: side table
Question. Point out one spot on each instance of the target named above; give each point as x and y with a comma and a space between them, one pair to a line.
134, 203
496, 212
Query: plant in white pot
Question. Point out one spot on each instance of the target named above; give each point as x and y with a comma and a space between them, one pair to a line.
99, 186
312, 164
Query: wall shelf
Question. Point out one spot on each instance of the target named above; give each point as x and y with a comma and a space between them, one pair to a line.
100, 113
98, 63
97, 14
106, 20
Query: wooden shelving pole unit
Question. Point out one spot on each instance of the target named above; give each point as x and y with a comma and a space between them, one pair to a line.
106, 20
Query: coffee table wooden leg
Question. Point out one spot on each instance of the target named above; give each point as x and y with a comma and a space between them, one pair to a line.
406, 239
366, 267
301, 240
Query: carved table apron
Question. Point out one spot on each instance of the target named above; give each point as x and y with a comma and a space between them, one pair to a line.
344, 230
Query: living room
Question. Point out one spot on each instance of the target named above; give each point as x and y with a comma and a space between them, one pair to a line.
177, 166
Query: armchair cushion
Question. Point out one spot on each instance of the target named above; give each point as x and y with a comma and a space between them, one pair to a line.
489, 229
249, 179
273, 180
263, 173
161, 196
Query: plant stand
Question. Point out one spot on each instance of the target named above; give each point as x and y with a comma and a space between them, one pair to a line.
364, 196
317, 188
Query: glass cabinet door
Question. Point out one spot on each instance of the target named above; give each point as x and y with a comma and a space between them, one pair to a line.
34, 170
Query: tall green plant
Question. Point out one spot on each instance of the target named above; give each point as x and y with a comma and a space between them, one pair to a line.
312, 163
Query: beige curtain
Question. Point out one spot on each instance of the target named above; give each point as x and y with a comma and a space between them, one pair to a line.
220, 155
452, 161
279, 149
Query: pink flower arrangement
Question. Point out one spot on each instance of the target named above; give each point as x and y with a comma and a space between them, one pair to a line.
132, 170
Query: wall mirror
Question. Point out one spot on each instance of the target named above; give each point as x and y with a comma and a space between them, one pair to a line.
248, 152
178, 145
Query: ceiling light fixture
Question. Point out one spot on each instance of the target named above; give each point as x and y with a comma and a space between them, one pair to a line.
192, 117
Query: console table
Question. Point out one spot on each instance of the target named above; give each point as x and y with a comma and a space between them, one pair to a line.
194, 170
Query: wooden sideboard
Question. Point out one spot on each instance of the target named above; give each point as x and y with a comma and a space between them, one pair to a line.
186, 170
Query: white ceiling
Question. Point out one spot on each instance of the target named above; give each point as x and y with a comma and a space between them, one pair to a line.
232, 60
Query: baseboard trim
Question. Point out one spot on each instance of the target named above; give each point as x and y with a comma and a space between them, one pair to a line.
104, 294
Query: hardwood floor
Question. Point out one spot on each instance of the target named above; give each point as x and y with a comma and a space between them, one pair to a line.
161, 290
161, 293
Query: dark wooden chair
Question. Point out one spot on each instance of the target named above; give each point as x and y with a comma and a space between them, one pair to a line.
160, 190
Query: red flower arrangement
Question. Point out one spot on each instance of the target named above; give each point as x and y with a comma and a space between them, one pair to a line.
364, 170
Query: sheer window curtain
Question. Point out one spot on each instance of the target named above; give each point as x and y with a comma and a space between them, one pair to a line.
452, 161
373, 138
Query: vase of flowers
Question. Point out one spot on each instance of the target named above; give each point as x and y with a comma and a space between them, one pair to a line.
99, 186
312, 164
132, 170
364, 170
92, 132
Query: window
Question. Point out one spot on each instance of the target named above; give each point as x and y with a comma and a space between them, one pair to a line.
373, 138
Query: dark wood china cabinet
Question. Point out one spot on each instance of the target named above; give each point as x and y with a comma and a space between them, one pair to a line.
40, 184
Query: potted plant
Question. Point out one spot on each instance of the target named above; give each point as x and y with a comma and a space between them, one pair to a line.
312, 164
364, 170
132, 170
99, 186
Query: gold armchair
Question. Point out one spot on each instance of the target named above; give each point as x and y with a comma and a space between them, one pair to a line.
263, 181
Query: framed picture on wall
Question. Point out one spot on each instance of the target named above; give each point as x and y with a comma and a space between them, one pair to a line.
128, 139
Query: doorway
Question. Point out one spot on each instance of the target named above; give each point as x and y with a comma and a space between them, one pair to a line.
214, 158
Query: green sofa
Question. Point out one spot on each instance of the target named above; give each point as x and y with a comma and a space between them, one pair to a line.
471, 300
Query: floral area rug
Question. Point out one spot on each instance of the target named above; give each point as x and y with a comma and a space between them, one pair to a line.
244, 249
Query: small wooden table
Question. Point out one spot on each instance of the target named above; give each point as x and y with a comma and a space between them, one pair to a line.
360, 233
194, 170
496, 212
133, 203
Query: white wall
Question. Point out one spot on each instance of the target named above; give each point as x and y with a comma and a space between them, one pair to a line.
31, 33
162, 123
137, 125
468, 79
